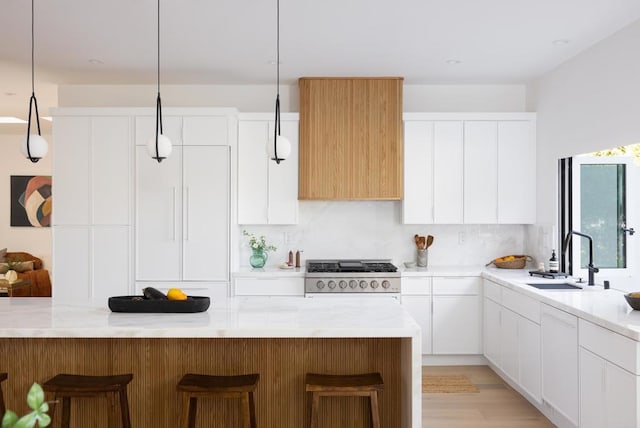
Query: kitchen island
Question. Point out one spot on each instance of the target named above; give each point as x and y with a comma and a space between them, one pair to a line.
280, 338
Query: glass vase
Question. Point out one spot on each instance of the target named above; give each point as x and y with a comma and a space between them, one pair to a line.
258, 258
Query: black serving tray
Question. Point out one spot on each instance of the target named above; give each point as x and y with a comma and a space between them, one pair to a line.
129, 304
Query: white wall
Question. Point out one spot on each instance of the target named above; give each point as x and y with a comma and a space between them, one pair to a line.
261, 98
34, 240
364, 229
586, 104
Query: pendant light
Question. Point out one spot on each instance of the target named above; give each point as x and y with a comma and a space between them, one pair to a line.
34, 147
159, 148
281, 147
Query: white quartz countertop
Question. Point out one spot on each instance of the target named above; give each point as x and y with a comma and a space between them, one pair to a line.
440, 271
283, 317
606, 308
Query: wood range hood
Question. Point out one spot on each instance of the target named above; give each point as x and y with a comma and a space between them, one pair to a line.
350, 138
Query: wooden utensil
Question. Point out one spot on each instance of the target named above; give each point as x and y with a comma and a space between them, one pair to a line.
429, 241
416, 238
421, 243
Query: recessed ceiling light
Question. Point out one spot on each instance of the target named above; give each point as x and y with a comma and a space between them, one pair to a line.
453, 61
273, 62
47, 118
10, 119
96, 61
561, 42
10, 94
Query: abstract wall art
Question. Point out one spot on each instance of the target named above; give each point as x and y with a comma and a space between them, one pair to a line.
31, 200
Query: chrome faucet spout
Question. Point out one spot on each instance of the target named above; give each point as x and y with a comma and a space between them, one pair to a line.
592, 269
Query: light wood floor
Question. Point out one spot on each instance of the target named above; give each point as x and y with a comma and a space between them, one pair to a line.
497, 405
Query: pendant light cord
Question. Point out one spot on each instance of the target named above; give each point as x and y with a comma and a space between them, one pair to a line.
32, 48
277, 120
33, 102
158, 102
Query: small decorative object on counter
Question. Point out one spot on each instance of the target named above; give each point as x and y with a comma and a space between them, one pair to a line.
422, 258
290, 262
541, 266
259, 249
554, 265
511, 262
298, 258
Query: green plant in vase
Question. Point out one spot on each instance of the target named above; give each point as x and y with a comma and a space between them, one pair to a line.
38, 415
259, 249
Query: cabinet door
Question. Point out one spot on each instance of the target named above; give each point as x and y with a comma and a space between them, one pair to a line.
71, 263
111, 262
448, 172
205, 213
516, 172
592, 398
420, 309
529, 357
480, 172
417, 204
111, 170
72, 136
253, 186
621, 397
205, 131
146, 129
457, 325
491, 340
158, 216
560, 361
509, 344
283, 178
269, 286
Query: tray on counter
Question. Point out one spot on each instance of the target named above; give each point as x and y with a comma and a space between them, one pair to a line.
140, 304
550, 275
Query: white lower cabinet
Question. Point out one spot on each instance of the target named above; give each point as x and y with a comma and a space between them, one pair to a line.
457, 315
560, 362
420, 309
509, 361
529, 357
269, 286
491, 327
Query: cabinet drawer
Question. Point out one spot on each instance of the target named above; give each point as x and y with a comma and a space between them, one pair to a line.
419, 286
521, 304
455, 285
269, 287
611, 346
492, 291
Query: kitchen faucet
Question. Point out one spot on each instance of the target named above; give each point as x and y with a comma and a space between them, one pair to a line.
592, 270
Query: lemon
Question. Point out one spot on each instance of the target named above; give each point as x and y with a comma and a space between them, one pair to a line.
176, 294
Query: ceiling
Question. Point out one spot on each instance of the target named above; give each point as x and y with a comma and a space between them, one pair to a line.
234, 41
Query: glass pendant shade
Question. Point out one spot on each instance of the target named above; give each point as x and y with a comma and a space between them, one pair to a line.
38, 147
283, 148
164, 147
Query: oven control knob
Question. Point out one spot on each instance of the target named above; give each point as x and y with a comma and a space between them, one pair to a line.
374, 284
363, 284
343, 284
386, 284
332, 284
320, 285
353, 283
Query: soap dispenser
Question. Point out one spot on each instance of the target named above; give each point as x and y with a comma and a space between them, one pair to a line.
554, 265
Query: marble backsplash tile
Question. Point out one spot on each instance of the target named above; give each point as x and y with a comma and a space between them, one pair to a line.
374, 229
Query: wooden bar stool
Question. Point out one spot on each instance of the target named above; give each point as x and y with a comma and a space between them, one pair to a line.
194, 386
68, 386
3, 377
362, 385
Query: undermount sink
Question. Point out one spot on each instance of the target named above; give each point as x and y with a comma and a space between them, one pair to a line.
554, 285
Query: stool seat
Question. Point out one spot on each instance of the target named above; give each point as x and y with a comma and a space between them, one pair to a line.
71, 383
193, 386
3, 377
359, 385
68, 386
206, 383
344, 383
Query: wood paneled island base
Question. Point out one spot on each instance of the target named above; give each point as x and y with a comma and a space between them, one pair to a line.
159, 363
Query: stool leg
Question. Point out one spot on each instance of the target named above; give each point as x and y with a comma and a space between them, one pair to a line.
375, 411
246, 413
189, 408
252, 411
112, 417
66, 412
315, 405
124, 408
2, 406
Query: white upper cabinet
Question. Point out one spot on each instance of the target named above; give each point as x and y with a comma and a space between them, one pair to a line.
474, 168
267, 192
417, 205
516, 171
146, 129
205, 131
480, 172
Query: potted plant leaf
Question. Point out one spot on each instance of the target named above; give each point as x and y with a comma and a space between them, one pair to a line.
38, 414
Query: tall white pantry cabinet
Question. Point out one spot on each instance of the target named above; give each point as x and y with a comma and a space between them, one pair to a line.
122, 220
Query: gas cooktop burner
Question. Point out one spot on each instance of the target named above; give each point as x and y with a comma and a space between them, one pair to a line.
348, 266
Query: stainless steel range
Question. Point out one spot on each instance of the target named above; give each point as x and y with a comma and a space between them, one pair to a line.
325, 277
